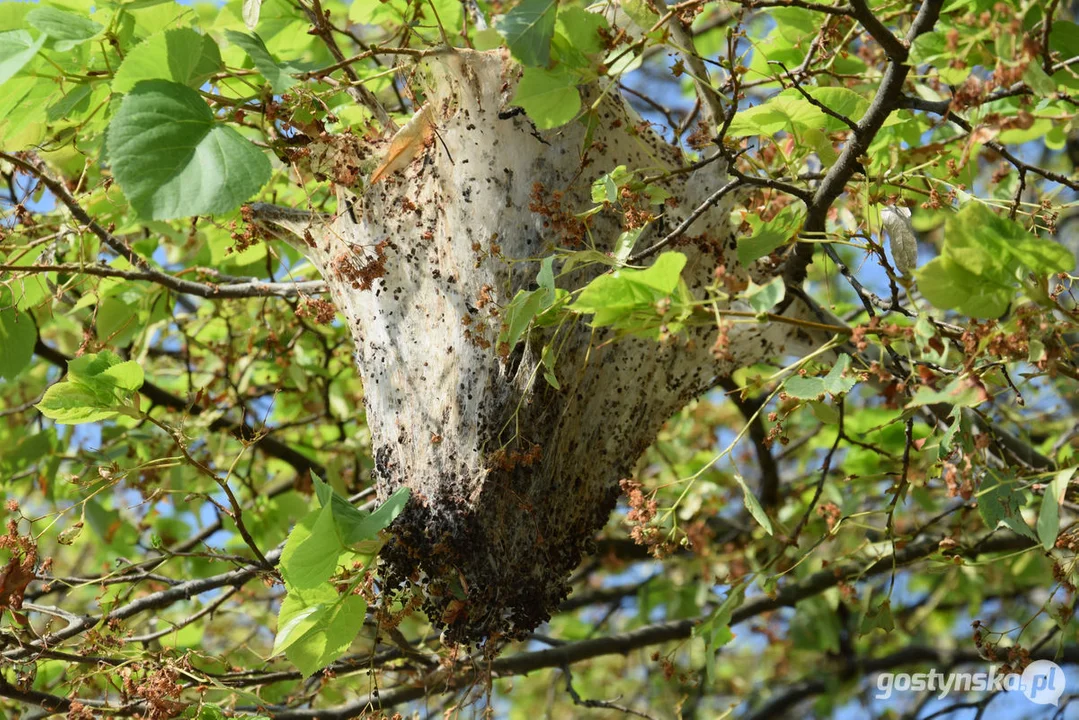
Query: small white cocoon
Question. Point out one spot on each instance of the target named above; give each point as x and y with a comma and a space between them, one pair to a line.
896, 221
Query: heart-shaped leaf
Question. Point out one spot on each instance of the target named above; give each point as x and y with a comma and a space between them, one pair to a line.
173, 159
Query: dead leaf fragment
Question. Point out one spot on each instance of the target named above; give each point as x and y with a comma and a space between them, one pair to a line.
406, 144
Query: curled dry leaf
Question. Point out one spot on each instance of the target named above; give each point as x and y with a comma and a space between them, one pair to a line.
13, 581
406, 144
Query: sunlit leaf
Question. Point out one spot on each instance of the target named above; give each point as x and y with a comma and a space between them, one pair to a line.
17, 338
16, 49
64, 29
173, 159
763, 298
528, 29
181, 55
276, 74
753, 505
611, 297
550, 97
311, 551
1049, 516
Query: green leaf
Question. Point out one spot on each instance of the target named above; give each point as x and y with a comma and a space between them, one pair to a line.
928, 47
982, 241
528, 29
355, 527
605, 187
878, 617
623, 246
96, 387
836, 381
375, 12
770, 235
550, 97
613, 297
753, 505
124, 376
275, 73
640, 12
948, 437
311, 551
65, 29
17, 338
582, 28
981, 260
790, 111
815, 626
947, 285
316, 626
29, 449
180, 55
172, 159
824, 411
299, 614
1065, 38
548, 359
960, 392
334, 630
1038, 81
763, 298
16, 49
545, 276
367, 527
71, 404
841, 100
999, 502
488, 39
803, 388
716, 630
1049, 515
526, 304
106, 372
77, 95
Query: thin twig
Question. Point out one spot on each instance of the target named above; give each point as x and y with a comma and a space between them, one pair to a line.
604, 704
210, 291
34, 166
820, 481
684, 225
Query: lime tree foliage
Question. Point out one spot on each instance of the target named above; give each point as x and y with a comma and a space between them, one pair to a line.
432, 357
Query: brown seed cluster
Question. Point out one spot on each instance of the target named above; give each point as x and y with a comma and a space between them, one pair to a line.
248, 236
361, 276
159, 688
642, 510
506, 460
319, 310
563, 222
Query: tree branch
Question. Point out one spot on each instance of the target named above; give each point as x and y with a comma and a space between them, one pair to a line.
780, 705
835, 181
708, 94
896, 50
211, 291
941, 108
654, 634
804, 4
36, 168
153, 601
